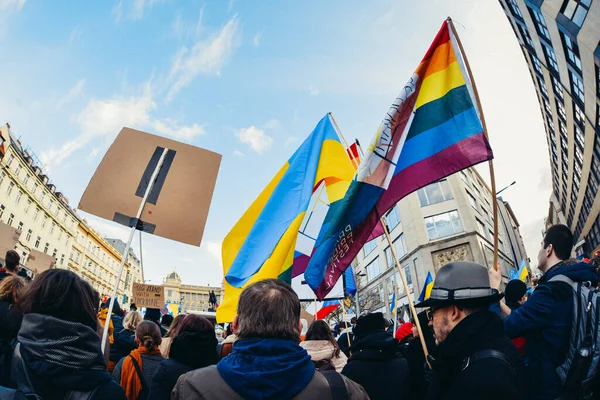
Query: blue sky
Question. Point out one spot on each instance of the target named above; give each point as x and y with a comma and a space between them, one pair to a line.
249, 80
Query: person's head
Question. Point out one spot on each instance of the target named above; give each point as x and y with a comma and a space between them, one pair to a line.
132, 307
353, 321
132, 320
152, 314
11, 261
175, 325
515, 292
319, 330
460, 289
166, 320
369, 323
194, 323
147, 334
64, 295
268, 309
12, 289
556, 247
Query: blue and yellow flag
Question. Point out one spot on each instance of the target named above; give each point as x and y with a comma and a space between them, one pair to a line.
261, 244
426, 292
523, 271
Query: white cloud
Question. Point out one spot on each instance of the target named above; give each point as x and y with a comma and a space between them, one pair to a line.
199, 23
206, 57
239, 153
255, 138
12, 4
93, 154
73, 94
272, 124
256, 39
170, 127
313, 91
108, 229
117, 11
136, 11
290, 141
183, 29
214, 249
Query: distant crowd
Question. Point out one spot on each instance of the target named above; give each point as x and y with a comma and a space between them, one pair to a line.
477, 342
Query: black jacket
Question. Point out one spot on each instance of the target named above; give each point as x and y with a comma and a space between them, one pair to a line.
378, 366
456, 377
10, 322
115, 353
124, 344
188, 351
61, 356
419, 371
343, 342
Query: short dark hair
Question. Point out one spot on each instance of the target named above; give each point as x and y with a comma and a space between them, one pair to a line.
319, 330
11, 260
561, 239
269, 309
64, 295
166, 320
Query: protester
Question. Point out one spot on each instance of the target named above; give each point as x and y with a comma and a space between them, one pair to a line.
545, 320
11, 293
323, 348
125, 338
153, 314
166, 321
404, 332
515, 295
376, 361
58, 342
226, 346
413, 351
266, 362
11, 264
116, 320
132, 307
165, 345
474, 359
102, 315
193, 347
134, 372
343, 338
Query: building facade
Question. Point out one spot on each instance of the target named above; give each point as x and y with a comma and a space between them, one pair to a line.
450, 220
135, 265
560, 40
32, 204
190, 297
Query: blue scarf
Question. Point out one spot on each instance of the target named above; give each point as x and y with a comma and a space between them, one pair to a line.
260, 369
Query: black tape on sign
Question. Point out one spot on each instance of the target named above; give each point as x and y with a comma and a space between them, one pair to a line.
131, 222
160, 179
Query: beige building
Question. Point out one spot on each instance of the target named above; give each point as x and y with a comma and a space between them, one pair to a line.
446, 221
32, 204
560, 40
189, 297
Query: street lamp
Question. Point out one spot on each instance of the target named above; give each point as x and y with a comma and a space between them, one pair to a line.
503, 189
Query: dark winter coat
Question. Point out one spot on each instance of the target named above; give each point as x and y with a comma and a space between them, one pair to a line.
115, 353
378, 366
456, 377
413, 351
545, 323
61, 356
188, 351
124, 343
10, 319
343, 342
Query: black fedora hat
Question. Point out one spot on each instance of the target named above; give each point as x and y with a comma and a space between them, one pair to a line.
461, 282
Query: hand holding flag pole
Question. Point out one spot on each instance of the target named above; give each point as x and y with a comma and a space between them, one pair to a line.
344, 319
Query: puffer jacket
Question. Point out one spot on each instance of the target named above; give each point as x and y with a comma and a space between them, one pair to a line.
124, 344
62, 356
324, 350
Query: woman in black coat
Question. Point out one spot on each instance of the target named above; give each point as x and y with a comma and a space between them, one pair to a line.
195, 346
125, 337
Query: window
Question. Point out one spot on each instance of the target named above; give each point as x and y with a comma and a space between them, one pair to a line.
370, 246
392, 218
550, 57
42, 195
579, 115
169, 293
26, 179
29, 232
62, 259
45, 221
536, 64
512, 4
435, 193
10, 160
64, 218
2, 176
572, 51
27, 206
472, 200
50, 204
525, 36
442, 225
18, 198
558, 90
540, 23
373, 270
407, 274
400, 247
52, 228
60, 233
577, 86
576, 10
484, 213
54, 253
543, 87
10, 188
37, 242
561, 110
35, 186
20, 228
11, 219
481, 227
35, 214
18, 170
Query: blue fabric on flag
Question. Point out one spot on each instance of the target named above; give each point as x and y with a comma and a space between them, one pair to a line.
512, 274
350, 281
393, 305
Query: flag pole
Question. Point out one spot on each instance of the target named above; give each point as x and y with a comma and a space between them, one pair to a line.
341, 135
344, 319
128, 246
485, 132
396, 305
406, 289
315, 297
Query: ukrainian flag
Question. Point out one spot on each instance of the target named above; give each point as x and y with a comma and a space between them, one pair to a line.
523, 271
426, 292
261, 244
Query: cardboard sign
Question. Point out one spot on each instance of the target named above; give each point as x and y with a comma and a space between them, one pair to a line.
177, 206
8, 238
149, 296
39, 262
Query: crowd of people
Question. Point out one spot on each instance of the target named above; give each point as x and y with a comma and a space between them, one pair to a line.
479, 343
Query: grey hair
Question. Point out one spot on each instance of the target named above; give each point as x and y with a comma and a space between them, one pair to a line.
269, 309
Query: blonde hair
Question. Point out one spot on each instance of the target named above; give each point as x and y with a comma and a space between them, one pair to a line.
132, 320
12, 288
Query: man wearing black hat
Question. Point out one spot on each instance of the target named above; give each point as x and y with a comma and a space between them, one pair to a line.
475, 360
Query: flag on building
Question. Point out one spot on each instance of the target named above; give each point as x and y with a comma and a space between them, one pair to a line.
350, 281
261, 244
523, 271
432, 130
426, 292
328, 307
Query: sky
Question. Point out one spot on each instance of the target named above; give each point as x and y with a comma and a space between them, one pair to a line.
249, 80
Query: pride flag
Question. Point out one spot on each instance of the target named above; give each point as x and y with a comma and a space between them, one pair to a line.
261, 244
327, 308
426, 292
432, 130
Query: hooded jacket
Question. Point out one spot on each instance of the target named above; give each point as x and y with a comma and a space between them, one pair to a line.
323, 350
188, 351
545, 322
124, 344
378, 366
265, 369
62, 356
455, 376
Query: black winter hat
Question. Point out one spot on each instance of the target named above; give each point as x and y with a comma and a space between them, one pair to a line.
152, 314
369, 323
515, 290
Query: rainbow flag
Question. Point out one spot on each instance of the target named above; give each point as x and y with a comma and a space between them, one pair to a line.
327, 308
426, 292
261, 244
432, 130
